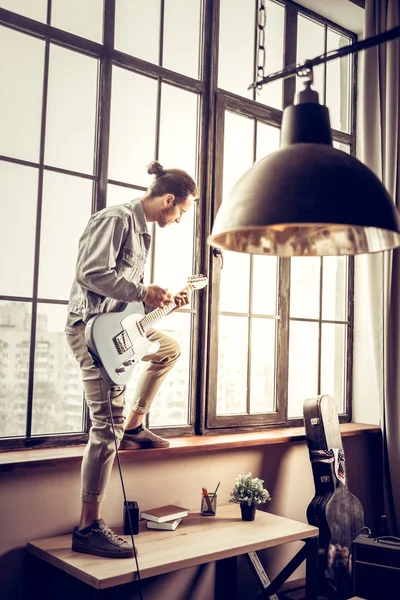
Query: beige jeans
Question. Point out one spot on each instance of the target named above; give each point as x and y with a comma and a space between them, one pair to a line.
99, 453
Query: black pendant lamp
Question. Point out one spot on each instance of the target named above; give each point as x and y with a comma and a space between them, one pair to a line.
307, 199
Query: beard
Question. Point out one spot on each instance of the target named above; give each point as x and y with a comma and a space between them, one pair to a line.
162, 219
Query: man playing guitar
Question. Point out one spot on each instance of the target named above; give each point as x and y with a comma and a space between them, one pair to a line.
109, 273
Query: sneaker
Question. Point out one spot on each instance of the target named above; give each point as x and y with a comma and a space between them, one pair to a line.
101, 541
144, 438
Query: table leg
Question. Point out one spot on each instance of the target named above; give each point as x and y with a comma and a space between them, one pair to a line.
312, 568
226, 579
309, 553
259, 572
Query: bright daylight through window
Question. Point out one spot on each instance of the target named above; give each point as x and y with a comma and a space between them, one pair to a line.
86, 106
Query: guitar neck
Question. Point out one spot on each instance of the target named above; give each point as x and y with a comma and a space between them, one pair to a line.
157, 314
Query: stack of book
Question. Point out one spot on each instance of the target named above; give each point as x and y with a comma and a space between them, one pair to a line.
164, 517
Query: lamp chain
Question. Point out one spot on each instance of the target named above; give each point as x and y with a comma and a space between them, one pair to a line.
262, 21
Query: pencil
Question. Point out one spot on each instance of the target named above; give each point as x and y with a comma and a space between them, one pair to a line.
207, 497
216, 489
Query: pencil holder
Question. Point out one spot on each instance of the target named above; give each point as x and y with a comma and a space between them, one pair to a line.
208, 508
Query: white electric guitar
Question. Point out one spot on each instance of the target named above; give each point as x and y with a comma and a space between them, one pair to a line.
117, 340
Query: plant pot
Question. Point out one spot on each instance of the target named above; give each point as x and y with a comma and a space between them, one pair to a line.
248, 512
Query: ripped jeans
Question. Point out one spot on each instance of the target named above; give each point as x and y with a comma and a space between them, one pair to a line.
99, 453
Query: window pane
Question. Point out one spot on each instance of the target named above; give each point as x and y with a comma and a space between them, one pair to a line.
174, 253
262, 380
178, 129
133, 127
170, 406
34, 10
238, 149
342, 147
66, 200
137, 28
303, 366
15, 334
58, 390
238, 158
235, 281
272, 93
264, 285
117, 194
82, 18
338, 83
178, 149
311, 43
21, 74
334, 288
232, 365
71, 110
182, 30
267, 140
236, 60
304, 291
18, 200
333, 365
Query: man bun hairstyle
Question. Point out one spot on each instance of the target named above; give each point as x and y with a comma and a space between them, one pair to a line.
171, 181
156, 169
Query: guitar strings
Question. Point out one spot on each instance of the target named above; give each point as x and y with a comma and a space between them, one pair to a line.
148, 320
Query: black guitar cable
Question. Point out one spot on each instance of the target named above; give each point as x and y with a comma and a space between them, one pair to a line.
124, 494
367, 529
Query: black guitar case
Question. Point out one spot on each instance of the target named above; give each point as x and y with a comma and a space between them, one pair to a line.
337, 513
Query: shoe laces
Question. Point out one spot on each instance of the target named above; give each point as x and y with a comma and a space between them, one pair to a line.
111, 535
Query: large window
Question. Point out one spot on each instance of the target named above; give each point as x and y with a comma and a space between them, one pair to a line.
94, 91
283, 327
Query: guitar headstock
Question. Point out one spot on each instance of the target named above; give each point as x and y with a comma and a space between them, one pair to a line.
197, 282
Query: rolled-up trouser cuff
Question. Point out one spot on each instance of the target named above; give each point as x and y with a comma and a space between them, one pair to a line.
142, 410
92, 497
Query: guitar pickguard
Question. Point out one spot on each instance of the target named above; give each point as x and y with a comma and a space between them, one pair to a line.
118, 341
123, 341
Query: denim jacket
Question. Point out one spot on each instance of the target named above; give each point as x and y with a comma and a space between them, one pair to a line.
111, 257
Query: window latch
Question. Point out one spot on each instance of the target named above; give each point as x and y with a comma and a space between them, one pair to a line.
218, 254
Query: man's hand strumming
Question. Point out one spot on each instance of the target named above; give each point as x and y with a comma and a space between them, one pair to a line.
181, 299
157, 296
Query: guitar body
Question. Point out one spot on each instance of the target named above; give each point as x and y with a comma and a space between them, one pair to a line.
337, 513
116, 342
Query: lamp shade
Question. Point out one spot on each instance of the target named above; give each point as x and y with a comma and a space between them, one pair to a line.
307, 198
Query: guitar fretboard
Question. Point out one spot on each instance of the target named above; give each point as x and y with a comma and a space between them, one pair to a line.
155, 315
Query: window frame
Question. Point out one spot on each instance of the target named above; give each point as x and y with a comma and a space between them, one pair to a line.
226, 100
107, 57
212, 103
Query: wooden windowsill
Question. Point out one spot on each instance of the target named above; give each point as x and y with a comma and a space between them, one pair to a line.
21, 459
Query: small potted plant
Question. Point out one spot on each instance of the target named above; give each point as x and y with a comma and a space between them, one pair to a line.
249, 492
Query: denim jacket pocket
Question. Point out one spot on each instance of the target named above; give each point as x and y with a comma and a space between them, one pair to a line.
132, 265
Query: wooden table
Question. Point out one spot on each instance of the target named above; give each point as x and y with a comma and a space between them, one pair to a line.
197, 540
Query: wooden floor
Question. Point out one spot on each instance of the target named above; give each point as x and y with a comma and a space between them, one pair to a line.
197, 540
